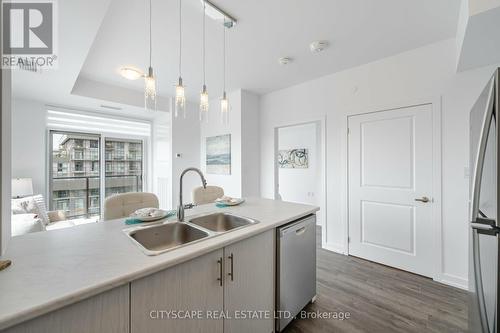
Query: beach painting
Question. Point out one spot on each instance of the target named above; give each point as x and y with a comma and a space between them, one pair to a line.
293, 159
219, 155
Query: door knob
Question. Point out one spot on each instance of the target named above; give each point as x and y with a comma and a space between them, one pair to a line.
423, 199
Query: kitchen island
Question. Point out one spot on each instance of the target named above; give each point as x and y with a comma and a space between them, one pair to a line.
96, 267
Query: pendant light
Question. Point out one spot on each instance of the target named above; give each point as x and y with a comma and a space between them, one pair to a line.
204, 93
180, 97
224, 103
149, 78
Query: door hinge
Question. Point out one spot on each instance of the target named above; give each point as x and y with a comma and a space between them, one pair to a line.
348, 239
348, 131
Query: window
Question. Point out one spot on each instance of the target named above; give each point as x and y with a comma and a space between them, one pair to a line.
93, 155
75, 185
61, 194
120, 167
134, 166
122, 175
62, 205
78, 166
78, 154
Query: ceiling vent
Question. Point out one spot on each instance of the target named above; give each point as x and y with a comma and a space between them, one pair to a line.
285, 60
110, 107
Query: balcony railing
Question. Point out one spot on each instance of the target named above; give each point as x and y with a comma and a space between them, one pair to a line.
85, 185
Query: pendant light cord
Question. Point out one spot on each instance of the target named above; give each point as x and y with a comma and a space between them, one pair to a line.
224, 48
204, 14
150, 33
180, 38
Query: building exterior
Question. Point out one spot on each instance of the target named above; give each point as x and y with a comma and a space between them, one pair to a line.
76, 176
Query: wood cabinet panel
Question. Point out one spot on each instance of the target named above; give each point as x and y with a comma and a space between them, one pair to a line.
250, 292
190, 286
105, 313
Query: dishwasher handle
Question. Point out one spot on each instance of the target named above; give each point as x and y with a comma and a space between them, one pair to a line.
300, 231
298, 228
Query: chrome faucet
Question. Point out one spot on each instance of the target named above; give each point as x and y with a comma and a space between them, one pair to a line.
180, 208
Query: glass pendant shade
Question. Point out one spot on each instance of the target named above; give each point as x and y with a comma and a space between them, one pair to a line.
150, 90
180, 99
204, 105
224, 109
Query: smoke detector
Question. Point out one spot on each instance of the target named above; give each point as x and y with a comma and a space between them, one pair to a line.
318, 46
285, 60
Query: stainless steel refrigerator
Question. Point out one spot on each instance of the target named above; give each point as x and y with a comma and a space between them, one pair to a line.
484, 225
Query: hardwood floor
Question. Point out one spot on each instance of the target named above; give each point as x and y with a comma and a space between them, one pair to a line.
380, 299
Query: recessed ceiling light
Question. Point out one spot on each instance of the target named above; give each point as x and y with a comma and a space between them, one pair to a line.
285, 60
131, 73
318, 46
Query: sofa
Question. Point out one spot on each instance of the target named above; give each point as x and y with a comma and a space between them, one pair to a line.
29, 214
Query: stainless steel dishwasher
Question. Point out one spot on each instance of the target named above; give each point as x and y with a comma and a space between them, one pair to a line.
296, 265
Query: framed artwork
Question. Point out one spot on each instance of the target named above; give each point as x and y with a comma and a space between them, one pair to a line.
218, 153
293, 158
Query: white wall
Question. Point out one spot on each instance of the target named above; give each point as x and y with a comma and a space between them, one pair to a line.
230, 183
5, 156
243, 125
29, 143
300, 185
250, 144
419, 75
185, 140
161, 160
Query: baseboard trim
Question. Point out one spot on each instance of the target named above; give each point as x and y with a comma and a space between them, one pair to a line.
454, 281
337, 248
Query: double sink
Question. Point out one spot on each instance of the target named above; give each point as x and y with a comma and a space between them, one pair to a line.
160, 238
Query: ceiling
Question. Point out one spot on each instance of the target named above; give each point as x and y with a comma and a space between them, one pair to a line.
100, 36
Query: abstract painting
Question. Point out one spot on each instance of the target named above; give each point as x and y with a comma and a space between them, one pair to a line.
293, 159
219, 155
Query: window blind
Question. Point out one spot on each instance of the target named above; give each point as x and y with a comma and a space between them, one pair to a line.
72, 121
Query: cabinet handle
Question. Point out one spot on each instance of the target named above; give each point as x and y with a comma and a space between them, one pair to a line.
220, 271
231, 273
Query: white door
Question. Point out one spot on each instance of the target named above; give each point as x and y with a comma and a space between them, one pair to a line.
390, 180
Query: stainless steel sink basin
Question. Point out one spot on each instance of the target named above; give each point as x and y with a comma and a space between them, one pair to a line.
221, 222
163, 237
160, 238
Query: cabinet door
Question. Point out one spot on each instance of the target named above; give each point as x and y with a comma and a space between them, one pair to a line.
249, 285
105, 313
190, 286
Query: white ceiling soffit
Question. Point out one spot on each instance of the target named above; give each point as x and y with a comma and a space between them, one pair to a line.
478, 37
359, 31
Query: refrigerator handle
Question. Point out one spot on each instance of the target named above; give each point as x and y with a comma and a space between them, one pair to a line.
478, 281
478, 172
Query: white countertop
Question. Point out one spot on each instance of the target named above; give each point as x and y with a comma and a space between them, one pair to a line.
56, 268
